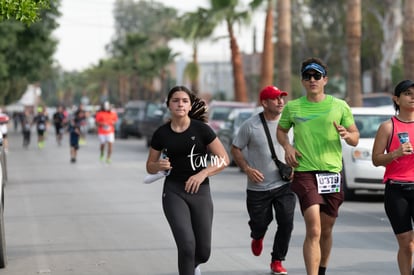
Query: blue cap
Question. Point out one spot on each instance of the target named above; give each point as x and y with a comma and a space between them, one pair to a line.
315, 67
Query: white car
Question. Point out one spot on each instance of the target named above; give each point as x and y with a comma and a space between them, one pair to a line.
360, 173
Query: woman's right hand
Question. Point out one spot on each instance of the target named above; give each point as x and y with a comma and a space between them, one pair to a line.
164, 164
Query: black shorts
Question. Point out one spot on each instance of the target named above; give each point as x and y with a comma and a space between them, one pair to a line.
58, 129
74, 141
399, 206
305, 186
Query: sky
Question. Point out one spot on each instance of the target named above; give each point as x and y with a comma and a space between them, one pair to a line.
86, 26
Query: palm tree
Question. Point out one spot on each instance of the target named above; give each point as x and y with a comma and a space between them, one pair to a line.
408, 37
267, 68
195, 27
161, 57
353, 41
226, 11
284, 45
142, 63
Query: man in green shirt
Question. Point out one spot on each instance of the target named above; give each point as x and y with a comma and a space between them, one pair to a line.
319, 123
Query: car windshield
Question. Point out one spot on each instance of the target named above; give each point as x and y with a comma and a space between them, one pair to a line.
242, 117
154, 111
220, 113
132, 113
368, 124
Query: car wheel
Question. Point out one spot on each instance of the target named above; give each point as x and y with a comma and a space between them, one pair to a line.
123, 135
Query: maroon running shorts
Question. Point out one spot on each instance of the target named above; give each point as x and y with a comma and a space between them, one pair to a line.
305, 186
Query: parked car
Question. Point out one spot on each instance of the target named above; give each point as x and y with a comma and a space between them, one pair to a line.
359, 172
158, 117
90, 117
218, 112
3, 179
231, 127
120, 115
139, 119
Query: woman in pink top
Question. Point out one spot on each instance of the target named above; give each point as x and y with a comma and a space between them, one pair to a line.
393, 149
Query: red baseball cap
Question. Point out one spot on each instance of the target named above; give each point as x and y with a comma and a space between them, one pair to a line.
271, 92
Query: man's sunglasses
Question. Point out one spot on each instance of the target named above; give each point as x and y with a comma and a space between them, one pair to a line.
308, 76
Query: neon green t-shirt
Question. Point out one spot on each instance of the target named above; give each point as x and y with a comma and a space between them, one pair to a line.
315, 135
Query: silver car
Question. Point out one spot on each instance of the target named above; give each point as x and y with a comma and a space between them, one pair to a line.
232, 125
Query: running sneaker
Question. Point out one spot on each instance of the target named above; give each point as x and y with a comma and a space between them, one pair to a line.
108, 161
257, 247
197, 270
102, 158
277, 268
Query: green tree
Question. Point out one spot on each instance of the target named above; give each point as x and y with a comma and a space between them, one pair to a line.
195, 27
319, 28
26, 11
139, 50
26, 52
148, 18
161, 57
133, 62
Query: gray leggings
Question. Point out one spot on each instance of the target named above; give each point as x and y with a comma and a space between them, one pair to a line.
190, 217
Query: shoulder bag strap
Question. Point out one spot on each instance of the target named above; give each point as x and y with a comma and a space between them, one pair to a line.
269, 139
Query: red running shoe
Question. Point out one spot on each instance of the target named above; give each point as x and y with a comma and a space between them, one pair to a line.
277, 268
257, 247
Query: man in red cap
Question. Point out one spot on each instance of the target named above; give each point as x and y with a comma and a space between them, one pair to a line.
266, 190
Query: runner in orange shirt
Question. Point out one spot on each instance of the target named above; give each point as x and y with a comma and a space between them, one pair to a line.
105, 121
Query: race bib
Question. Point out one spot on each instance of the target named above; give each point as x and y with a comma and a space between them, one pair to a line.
41, 126
328, 183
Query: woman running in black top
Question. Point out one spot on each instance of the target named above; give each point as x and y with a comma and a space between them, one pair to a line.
192, 153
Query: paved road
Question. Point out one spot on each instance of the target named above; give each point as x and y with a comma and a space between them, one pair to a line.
92, 218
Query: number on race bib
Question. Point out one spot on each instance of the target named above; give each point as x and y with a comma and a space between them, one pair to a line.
328, 183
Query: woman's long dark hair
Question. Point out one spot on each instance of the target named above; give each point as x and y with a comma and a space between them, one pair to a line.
198, 106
